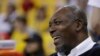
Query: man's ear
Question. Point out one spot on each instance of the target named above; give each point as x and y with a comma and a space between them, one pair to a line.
79, 25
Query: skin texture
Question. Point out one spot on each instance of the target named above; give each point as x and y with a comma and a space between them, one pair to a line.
66, 31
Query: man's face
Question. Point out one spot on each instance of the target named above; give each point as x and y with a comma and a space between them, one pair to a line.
62, 31
10, 9
18, 25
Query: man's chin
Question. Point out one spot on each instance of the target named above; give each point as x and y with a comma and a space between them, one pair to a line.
63, 49
59, 48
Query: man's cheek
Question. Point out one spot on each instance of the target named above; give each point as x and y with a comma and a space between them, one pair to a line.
61, 27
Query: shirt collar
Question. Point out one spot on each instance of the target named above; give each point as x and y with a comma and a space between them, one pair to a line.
86, 45
59, 54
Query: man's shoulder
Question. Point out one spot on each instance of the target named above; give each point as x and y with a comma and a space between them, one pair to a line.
95, 51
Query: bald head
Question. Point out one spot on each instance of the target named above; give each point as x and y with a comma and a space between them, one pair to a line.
72, 13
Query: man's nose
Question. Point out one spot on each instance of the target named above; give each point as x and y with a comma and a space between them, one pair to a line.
52, 30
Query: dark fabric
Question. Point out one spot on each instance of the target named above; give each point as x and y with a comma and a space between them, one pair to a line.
55, 54
95, 51
35, 37
95, 36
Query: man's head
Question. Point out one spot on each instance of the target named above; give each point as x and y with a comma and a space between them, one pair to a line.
11, 8
20, 22
41, 14
68, 27
34, 44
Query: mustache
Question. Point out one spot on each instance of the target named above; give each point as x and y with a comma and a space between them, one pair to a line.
56, 34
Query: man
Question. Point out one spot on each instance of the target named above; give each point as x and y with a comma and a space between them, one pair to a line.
68, 28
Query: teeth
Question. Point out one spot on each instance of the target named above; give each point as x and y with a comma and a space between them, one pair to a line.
55, 38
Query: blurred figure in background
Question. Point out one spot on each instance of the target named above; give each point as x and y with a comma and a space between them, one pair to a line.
41, 22
41, 14
7, 48
94, 20
34, 46
81, 3
21, 31
60, 3
6, 20
11, 13
20, 24
27, 5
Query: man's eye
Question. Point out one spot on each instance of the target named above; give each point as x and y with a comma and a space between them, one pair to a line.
58, 22
49, 24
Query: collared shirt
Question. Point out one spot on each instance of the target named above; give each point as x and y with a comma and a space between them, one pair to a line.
81, 48
59, 54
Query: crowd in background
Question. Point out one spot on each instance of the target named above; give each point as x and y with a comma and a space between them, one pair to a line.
21, 19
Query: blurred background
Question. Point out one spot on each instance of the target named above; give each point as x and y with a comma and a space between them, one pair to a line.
20, 18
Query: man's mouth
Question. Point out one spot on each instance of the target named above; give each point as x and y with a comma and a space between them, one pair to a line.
56, 40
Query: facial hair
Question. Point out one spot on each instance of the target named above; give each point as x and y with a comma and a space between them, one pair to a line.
65, 50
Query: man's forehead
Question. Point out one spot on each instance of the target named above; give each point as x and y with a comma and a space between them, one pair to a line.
56, 17
62, 12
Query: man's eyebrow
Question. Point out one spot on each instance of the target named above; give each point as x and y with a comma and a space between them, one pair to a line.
52, 20
49, 22
56, 19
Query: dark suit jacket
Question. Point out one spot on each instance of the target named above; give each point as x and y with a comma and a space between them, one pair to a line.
95, 51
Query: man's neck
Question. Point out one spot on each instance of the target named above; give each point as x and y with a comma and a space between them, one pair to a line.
81, 37
65, 50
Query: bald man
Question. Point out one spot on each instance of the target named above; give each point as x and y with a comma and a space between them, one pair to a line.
68, 28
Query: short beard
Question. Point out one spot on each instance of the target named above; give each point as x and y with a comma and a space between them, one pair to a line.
64, 50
